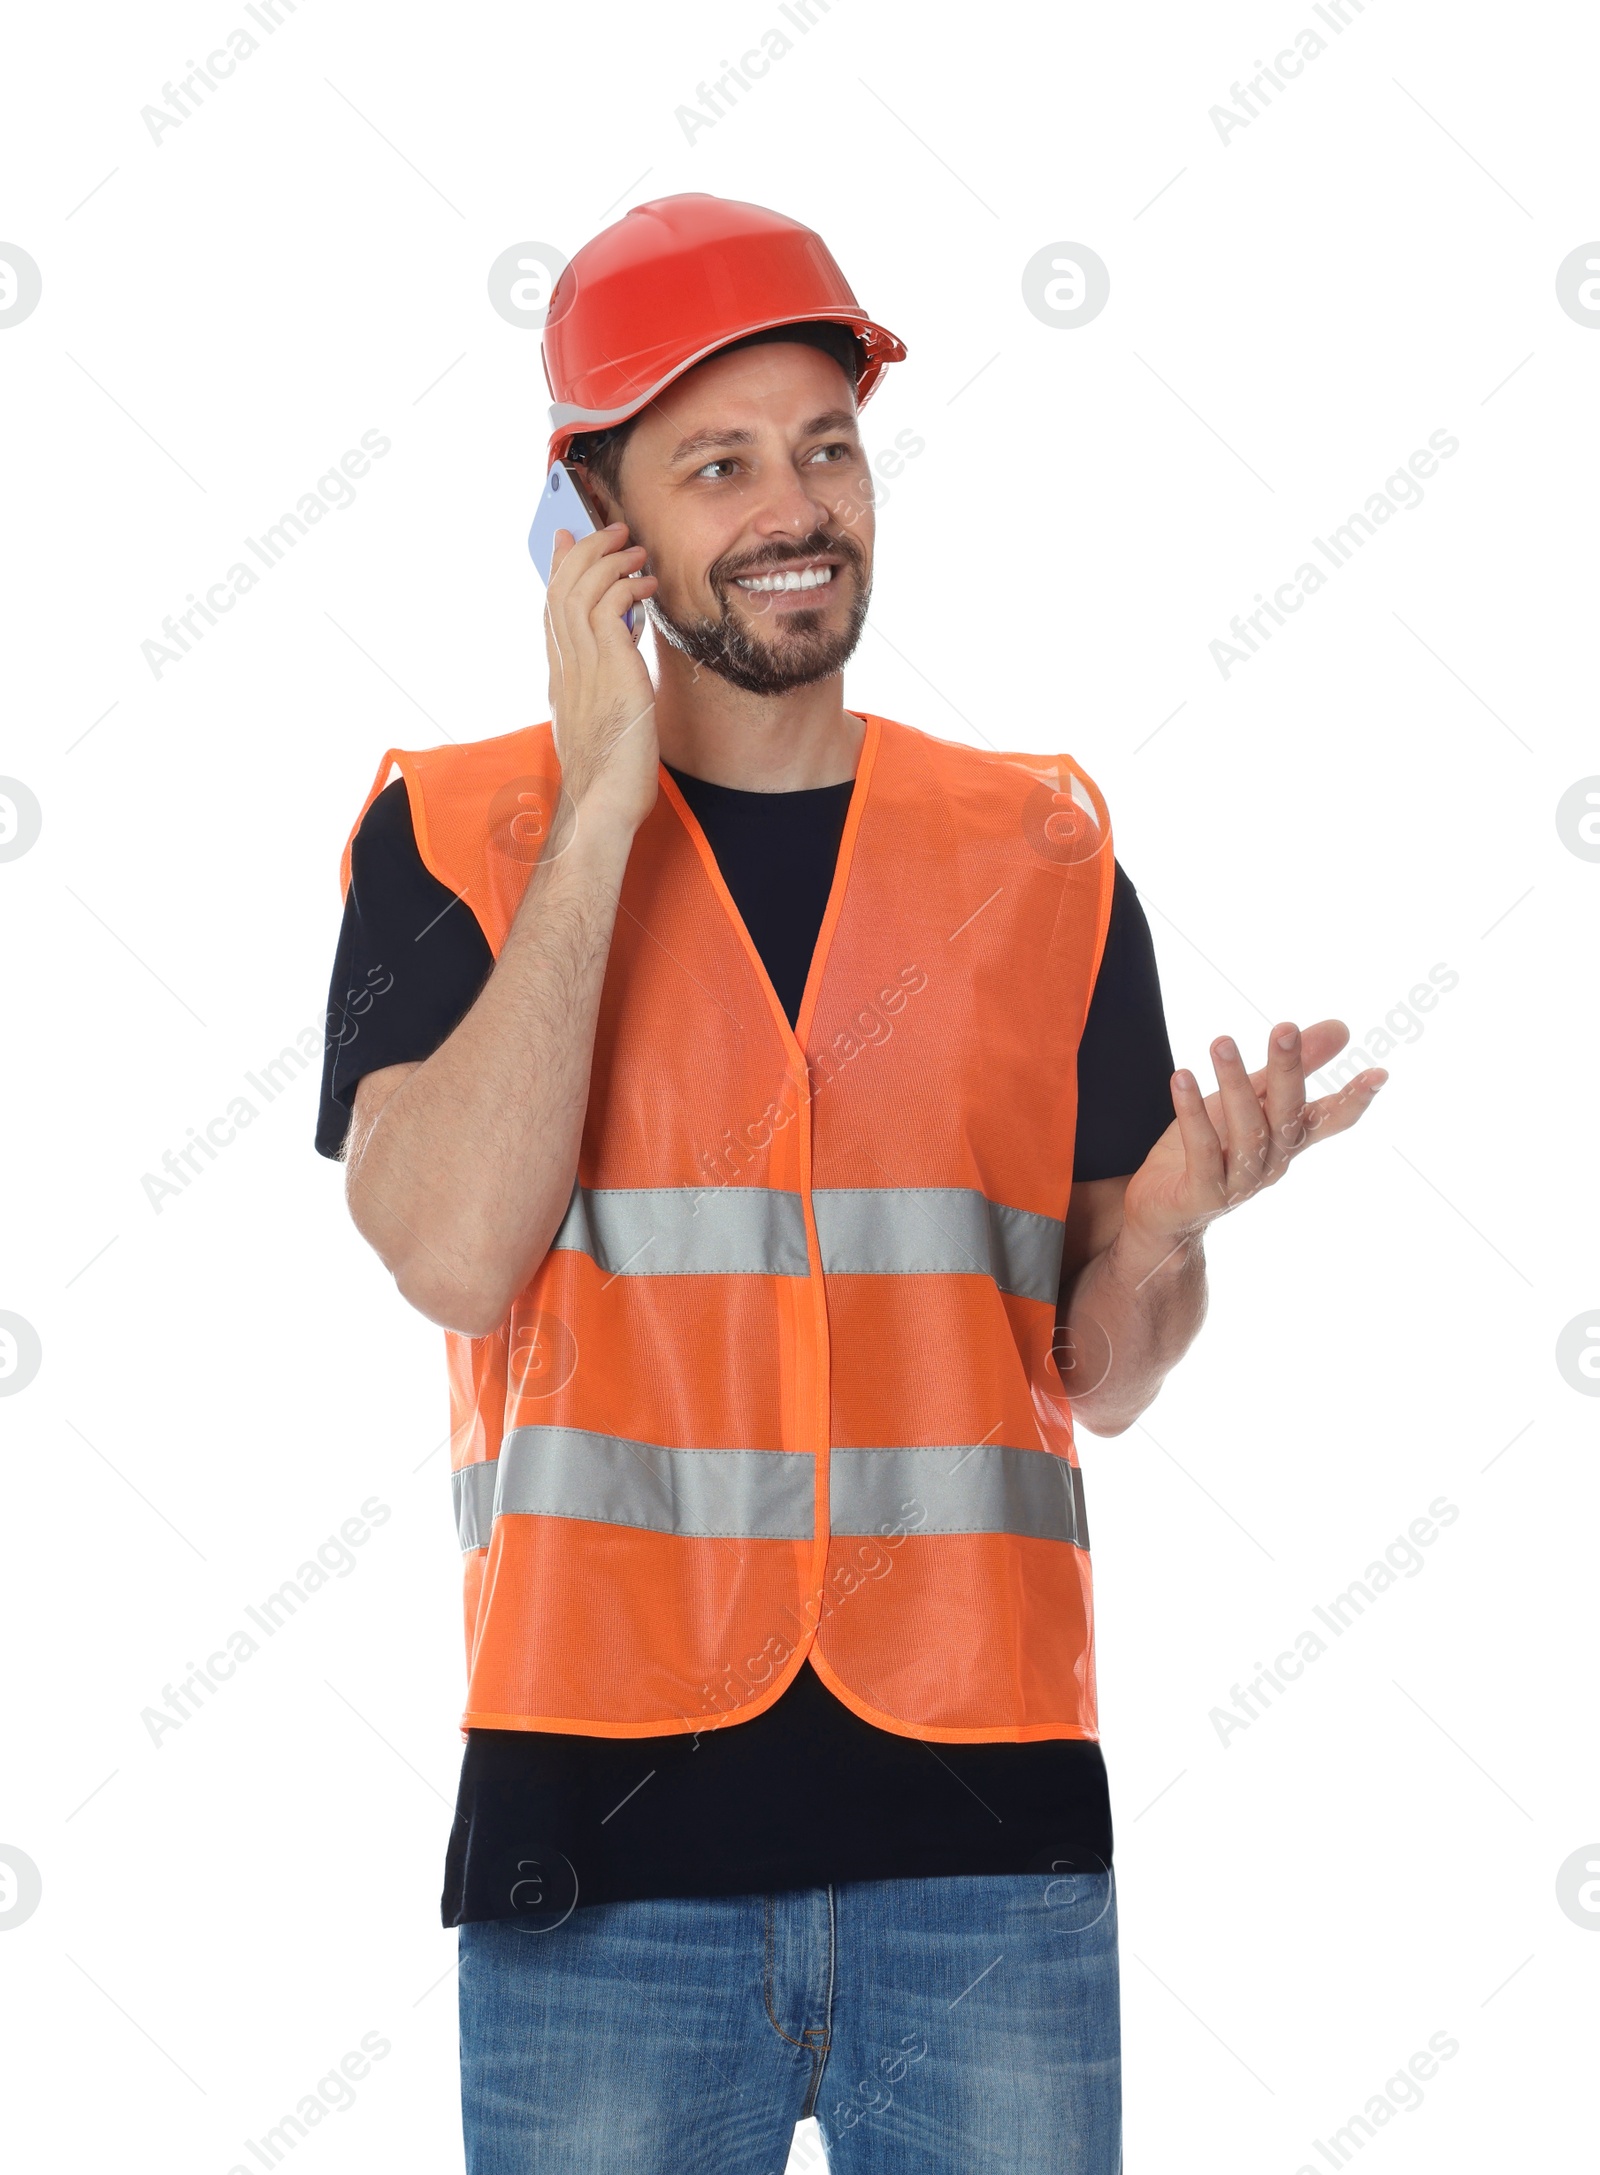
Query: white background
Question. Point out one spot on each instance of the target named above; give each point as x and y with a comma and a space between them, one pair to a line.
1291, 314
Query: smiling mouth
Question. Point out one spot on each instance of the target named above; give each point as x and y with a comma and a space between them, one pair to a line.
787, 581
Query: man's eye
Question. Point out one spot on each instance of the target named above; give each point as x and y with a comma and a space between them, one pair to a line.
838, 451
726, 462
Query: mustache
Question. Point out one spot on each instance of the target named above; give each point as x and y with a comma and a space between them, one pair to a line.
777, 556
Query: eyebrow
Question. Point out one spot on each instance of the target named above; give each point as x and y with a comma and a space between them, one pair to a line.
703, 441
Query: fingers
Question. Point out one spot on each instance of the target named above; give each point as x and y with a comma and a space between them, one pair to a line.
1204, 1166
1286, 1095
1317, 1044
1247, 1140
1338, 1112
570, 557
602, 702
1320, 1042
632, 589
1245, 1136
1294, 1122
591, 574
593, 584
1258, 1148
585, 586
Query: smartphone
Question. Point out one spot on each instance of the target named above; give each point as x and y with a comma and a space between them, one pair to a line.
562, 505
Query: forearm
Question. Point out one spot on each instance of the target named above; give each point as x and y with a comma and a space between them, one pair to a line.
1132, 1313
467, 1171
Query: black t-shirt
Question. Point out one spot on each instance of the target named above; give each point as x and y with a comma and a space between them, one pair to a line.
806, 1792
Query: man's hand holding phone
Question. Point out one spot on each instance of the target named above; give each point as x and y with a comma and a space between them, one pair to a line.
601, 700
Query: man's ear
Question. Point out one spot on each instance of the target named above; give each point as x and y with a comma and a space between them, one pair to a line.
604, 507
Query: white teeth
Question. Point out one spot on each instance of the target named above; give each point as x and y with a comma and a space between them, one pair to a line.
813, 578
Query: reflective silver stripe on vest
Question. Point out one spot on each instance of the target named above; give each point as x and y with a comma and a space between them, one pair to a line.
565, 1472
985, 1489
687, 1230
938, 1230
473, 1489
714, 1230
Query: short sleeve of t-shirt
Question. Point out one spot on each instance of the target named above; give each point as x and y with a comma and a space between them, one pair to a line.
409, 963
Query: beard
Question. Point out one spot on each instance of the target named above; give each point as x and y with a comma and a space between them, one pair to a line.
801, 649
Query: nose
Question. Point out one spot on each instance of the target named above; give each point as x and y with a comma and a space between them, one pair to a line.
791, 505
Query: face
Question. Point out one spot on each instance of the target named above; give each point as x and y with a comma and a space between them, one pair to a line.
747, 485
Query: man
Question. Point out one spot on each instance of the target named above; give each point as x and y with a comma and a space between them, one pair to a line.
773, 1104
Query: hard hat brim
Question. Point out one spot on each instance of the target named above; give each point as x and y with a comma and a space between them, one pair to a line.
568, 421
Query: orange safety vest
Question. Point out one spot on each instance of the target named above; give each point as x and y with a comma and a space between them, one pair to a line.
783, 1386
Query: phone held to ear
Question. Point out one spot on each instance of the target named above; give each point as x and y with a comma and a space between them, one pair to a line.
562, 505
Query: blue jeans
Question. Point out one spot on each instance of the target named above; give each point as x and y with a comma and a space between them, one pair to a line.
943, 2026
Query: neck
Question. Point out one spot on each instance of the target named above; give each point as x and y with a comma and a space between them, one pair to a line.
761, 743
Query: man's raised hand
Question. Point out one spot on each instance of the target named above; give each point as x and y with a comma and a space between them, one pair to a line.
1223, 1148
601, 700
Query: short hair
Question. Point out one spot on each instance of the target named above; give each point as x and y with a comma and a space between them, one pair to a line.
601, 451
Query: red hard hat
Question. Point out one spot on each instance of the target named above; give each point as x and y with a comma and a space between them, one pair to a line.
670, 283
